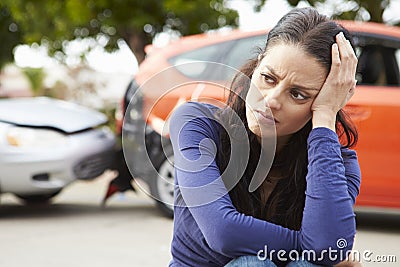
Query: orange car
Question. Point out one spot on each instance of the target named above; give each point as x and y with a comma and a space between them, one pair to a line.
375, 107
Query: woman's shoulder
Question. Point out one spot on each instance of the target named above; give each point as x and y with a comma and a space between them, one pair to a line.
195, 109
196, 117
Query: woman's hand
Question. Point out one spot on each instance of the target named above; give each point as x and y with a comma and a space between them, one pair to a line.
339, 85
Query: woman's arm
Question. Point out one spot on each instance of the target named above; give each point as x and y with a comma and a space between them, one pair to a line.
328, 224
329, 191
352, 173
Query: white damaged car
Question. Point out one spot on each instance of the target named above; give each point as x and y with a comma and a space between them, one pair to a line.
45, 144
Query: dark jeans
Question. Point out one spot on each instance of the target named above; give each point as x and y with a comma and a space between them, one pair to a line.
254, 261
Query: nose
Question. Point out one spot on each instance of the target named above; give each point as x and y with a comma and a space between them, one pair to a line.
272, 99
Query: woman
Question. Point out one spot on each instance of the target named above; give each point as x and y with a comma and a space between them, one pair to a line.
234, 203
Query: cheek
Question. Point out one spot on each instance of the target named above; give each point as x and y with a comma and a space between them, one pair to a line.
251, 104
252, 122
251, 95
251, 119
254, 99
301, 116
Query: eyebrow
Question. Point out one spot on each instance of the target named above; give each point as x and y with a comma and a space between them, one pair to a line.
306, 88
294, 85
273, 71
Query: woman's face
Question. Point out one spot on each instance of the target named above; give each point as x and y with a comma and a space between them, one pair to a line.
284, 86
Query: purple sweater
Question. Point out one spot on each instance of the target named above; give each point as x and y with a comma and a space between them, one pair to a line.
209, 231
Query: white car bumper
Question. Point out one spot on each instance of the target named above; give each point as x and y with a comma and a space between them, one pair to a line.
31, 171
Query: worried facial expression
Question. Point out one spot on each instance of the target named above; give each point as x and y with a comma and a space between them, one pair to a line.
284, 85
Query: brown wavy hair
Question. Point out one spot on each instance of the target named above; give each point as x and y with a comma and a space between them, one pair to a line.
315, 34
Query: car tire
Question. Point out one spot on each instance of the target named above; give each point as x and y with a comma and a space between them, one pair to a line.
38, 199
162, 184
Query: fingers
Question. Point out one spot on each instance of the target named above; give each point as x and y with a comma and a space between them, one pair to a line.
335, 59
340, 83
345, 48
354, 86
348, 59
342, 44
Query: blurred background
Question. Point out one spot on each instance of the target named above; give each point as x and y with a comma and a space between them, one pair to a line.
76, 49
86, 53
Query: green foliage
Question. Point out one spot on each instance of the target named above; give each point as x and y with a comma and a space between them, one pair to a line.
109, 111
36, 77
53, 22
9, 36
375, 8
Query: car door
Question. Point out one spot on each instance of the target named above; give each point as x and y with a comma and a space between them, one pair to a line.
375, 108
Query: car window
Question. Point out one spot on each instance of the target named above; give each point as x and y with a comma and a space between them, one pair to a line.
232, 53
244, 50
378, 65
205, 54
398, 56
241, 51
378, 62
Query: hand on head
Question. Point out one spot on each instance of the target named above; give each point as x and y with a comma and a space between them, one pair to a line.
340, 83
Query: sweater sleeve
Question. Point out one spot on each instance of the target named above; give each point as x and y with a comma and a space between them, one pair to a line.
352, 173
328, 224
327, 215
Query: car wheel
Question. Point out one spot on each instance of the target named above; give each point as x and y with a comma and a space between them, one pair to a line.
38, 199
162, 184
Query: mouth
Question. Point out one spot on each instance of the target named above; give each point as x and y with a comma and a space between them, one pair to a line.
267, 116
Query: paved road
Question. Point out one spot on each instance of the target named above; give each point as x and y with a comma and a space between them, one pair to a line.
75, 231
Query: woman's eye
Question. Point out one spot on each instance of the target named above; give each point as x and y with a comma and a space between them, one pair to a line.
268, 79
297, 95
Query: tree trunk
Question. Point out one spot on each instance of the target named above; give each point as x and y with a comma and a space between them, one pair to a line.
137, 42
375, 9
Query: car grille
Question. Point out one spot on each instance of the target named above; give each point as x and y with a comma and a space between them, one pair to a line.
93, 166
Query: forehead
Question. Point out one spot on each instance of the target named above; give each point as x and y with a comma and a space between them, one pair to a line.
288, 59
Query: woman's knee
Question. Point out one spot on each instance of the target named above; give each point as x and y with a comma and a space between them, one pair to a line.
250, 261
301, 263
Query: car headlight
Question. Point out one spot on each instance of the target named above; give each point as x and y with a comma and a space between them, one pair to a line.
29, 137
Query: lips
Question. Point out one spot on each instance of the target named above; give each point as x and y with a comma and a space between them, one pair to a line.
267, 116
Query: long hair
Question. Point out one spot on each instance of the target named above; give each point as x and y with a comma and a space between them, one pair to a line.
315, 34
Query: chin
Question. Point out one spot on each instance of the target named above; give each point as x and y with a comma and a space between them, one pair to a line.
263, 133
255, 129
